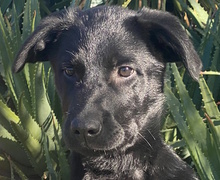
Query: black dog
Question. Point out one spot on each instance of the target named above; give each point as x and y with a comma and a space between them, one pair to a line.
109, 66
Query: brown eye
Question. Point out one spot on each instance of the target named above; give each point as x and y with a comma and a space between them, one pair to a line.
125, 71
69, 71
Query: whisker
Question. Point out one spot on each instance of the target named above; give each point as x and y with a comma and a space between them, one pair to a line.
145, 140
71, 53
151, 135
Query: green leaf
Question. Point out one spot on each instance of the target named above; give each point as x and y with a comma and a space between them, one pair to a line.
212, 115
13, 148
4, 5
196, 12
7, 114
191, 125
6, 57
201, 162
208, 41
199, 11
194, 120
63, 162
5, 134
17, 169
28, 123
126, 3
41, 104
32, 147
49, 160
213, 81
211, 73
9, 144
210, 105
216, 141
19, 6
53, 96
87, 4
31, 17
21, 87
16, 30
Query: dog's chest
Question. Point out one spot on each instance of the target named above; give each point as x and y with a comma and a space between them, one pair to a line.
137, 174
119, 167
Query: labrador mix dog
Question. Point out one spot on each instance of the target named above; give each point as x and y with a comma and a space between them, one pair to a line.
109, 65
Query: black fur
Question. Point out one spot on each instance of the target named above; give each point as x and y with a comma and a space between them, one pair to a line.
109, 66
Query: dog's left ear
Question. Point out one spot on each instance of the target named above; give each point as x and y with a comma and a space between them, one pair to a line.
166, 36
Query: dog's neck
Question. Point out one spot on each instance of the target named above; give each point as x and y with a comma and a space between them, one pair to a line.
131, 164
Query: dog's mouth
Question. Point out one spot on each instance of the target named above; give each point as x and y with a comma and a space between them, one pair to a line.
110, 137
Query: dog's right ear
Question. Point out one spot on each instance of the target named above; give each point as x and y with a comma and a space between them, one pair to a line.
37, 46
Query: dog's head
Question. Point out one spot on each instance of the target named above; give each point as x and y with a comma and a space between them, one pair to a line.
109, 66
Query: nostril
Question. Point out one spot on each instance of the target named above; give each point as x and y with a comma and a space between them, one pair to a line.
76, 132
93, 132
76, 128
94, 129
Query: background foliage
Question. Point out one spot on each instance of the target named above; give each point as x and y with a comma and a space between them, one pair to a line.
30, 115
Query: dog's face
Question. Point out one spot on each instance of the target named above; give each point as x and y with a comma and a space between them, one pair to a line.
106, 89
109, 66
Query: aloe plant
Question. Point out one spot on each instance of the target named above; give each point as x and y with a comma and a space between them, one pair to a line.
30, 135
193, 108
202, 138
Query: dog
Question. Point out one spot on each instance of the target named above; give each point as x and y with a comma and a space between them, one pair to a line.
109, 65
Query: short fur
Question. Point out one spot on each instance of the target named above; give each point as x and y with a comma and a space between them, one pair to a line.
109, 66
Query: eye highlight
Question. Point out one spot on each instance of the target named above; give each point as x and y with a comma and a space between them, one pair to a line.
125, 71
69, 71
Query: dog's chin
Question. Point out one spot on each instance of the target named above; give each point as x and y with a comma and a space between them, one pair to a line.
94, 149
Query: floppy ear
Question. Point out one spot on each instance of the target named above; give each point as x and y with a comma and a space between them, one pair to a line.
169, 39
37, 46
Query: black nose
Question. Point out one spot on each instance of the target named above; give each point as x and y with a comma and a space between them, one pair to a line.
88, 129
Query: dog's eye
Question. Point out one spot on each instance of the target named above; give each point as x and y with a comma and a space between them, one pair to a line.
69, 71
125, 71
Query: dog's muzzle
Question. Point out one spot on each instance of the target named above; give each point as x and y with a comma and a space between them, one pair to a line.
94, 131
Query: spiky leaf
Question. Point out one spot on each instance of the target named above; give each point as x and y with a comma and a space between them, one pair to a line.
63, 163
194, 120
202, 163
33, 148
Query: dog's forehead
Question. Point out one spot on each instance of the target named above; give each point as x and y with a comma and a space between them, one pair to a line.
100, 34
103, 23
106, 15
